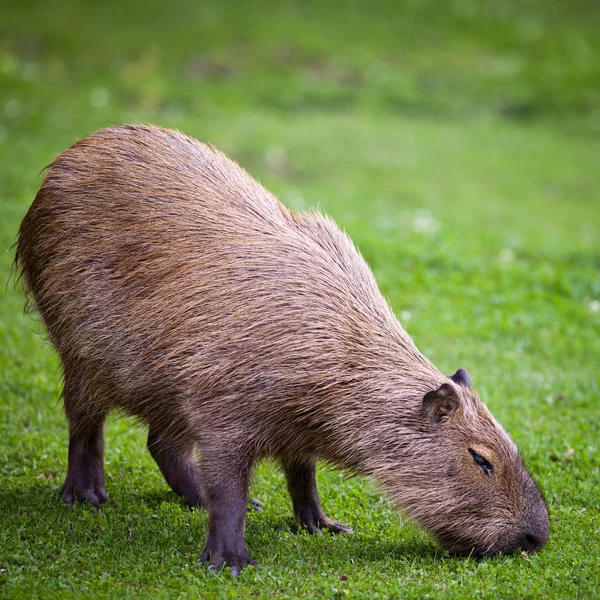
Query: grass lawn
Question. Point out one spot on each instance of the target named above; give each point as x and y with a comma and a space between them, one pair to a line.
459, 145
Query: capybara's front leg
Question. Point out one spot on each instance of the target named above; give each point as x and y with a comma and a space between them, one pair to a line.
225, 482
302, 486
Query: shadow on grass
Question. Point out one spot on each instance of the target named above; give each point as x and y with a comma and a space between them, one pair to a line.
160, 528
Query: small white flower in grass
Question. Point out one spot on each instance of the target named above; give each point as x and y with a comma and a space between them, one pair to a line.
568, 455
593, 305
405, 316
506, 256
423, 222
99, 97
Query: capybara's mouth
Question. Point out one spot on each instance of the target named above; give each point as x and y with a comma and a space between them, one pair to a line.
465, 548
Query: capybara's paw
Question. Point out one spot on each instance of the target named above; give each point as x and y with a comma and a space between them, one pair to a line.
217, 561
319, 523
82, 491
334, 527
256, 504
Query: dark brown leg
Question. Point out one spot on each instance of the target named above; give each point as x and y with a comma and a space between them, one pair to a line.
179, 467
226, 488
302, 486
85, 474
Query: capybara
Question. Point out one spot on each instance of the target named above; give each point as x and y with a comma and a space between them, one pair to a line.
175, 288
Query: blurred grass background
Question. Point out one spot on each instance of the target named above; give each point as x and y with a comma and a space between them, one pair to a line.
457, 142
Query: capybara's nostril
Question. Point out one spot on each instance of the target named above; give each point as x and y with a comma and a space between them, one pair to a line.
531, 543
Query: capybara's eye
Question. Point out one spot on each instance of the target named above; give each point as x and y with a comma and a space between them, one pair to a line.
485, 465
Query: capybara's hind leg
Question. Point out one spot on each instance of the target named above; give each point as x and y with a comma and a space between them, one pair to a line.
85, 474
302, 486
178, 466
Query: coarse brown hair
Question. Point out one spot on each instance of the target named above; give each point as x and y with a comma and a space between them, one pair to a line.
175, 288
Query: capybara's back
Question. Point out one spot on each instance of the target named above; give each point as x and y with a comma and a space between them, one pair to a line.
169, 281
175, 288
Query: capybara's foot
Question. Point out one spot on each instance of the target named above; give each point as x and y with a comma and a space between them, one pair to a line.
302, 486
85, 475
81, 487
218, 558
317, 522
256, 504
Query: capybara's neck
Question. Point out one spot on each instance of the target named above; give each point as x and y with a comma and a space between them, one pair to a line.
374, 407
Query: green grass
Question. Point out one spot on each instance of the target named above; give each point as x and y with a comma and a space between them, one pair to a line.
456, 142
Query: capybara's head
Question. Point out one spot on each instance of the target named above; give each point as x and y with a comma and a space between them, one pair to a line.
467, 483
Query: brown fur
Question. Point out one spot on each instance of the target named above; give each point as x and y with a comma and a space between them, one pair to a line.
175, 288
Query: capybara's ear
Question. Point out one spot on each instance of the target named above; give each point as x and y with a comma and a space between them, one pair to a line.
461, 377
440, 404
